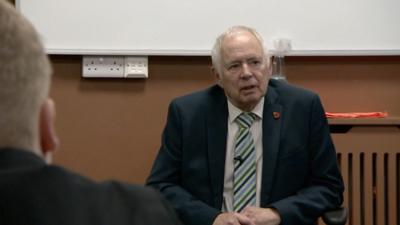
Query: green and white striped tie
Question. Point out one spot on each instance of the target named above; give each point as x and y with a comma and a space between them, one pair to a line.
244, 178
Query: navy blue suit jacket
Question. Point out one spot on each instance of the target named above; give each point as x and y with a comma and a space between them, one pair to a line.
34, 193
300, 176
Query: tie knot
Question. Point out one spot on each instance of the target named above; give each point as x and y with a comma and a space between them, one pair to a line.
245, 119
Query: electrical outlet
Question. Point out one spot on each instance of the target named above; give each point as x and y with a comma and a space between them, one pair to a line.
136, 67
103, 66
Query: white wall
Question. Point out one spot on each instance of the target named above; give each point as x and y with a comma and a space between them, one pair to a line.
189, 27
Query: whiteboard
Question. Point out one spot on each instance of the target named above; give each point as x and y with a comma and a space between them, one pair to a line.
189, 27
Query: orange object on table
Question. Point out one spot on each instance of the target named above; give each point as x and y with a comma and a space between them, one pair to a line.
331, 115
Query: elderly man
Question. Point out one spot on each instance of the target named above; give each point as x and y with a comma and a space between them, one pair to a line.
248, 150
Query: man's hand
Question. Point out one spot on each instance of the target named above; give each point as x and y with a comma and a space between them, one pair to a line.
262, 216
232, 219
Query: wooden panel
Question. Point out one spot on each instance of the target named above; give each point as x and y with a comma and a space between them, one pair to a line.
392, 191
356, 206
367, 190
347, 84
111, 128
380, 185
345, 170
373, 189
97, 118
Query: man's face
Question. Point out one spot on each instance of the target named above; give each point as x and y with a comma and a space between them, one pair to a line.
244, 71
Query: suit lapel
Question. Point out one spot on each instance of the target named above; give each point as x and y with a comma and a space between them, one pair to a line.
217, 119
272, 116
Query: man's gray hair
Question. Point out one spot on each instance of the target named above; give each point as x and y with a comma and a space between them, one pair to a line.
216, 50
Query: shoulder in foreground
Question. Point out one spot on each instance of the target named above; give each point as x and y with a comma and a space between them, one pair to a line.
78, 182
139, 191
106, 190
148, 204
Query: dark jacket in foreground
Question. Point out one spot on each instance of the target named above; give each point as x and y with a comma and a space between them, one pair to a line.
300, 176
33, 193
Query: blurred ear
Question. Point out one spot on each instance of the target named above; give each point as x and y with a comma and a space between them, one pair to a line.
48, 137
217, 75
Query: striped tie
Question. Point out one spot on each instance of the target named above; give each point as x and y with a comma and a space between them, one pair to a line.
244, 180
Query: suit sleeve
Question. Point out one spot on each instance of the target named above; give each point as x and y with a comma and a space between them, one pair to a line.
136, 204
324, 188
166, 174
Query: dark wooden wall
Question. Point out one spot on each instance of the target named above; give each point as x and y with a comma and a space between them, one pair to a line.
111, 128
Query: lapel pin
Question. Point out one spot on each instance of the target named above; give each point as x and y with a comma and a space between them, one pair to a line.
276, 115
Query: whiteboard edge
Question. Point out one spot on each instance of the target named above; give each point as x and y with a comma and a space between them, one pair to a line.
172, 52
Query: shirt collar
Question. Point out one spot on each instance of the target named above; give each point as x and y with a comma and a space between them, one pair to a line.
235, 111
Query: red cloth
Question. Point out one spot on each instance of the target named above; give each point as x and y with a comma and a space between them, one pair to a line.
331, 115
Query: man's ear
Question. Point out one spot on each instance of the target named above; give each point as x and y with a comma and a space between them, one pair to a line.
48, 137
217, 76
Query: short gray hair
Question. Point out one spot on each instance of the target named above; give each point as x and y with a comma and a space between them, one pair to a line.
25, 74
216, 50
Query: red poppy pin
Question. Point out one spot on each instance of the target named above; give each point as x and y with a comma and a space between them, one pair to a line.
276, 115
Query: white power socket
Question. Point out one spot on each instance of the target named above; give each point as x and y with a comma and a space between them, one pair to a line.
136, 67
103, 66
